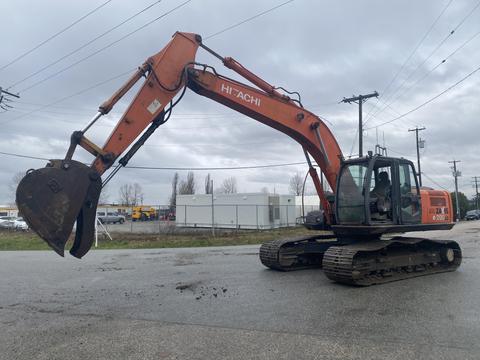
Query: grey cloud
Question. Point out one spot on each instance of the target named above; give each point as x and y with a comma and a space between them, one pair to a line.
323, 49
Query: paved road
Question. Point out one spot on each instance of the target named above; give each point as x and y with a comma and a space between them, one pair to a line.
220, 303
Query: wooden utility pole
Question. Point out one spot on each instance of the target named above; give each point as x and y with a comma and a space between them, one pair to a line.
2, 91
3, 94
476, 179
360, 99
417, 129
456, 174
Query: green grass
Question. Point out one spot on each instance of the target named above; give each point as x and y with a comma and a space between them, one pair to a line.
29, 241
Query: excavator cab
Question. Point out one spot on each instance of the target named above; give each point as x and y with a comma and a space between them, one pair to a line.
378, 192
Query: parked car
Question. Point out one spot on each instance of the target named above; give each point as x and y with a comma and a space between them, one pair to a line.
20, 224
6, 222
472, 215
13, 223
111, 218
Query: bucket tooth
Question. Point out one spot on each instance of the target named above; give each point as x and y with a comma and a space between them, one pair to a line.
85, 231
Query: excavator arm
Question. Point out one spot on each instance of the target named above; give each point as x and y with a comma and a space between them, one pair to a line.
53, 198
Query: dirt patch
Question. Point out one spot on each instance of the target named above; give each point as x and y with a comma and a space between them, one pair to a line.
201, 291
212, 292
185, 259
113, 268
192, 286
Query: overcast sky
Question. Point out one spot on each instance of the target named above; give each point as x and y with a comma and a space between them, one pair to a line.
326, 50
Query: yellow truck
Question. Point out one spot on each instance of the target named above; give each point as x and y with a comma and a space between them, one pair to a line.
144, 213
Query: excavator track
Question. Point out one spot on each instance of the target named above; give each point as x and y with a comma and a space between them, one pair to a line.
295, 253
383, 261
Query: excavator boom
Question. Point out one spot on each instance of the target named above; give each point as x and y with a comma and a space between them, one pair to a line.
66, 192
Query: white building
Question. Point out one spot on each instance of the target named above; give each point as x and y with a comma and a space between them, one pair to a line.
310, 203
237, 211
8, 210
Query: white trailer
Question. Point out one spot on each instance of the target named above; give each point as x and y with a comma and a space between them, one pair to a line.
7, 210
237, 211
310, 203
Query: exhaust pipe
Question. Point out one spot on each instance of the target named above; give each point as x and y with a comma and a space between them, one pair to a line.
53, 198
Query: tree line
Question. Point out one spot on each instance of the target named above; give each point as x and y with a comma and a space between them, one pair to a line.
188, 186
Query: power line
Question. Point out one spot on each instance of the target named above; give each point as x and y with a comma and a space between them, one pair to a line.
177, 116
131, 33
428, 101
23, 156
85, 44
443, 61
69, 96
104, 48
129, 71
391, 96
433, 181
248, 19
216, 168
392, 111
174, 168
385, 90
54, 36
400, 153
353, 142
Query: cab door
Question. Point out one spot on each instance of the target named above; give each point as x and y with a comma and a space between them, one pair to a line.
409, 207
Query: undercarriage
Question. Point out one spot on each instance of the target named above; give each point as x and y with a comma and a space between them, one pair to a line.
365, 262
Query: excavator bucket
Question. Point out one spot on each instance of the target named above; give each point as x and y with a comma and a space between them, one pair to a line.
53, 198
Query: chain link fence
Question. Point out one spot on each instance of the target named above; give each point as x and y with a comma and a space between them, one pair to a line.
187, 218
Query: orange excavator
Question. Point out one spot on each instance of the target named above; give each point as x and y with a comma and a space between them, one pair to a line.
374, 195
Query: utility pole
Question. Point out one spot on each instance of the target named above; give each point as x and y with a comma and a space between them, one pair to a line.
3, 94
2, 91
456, 174
360, 99
476, 179
417, 129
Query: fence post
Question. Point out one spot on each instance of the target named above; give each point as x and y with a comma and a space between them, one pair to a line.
185, 206
236, 217
256, 214
287, 215
158, 218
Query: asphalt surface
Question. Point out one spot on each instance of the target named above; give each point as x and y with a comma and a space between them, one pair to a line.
220, 303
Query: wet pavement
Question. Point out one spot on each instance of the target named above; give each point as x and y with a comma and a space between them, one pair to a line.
221, 303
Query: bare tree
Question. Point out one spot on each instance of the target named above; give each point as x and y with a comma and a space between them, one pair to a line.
173, 196
130, 194
208, 184
126, 195
296, 184
138, 194
229, 186
187, 187
264, 190
16, 178
104, 196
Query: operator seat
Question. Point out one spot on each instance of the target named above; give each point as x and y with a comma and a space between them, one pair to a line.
381, 194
